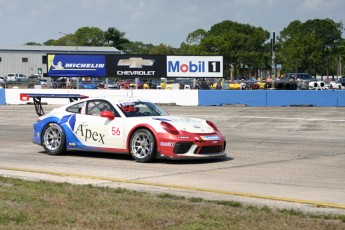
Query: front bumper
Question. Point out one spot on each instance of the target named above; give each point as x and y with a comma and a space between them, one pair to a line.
187, 146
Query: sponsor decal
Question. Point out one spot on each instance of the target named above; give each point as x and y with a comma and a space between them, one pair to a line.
136, 62
72, 144
136, 73
136, 65
89, 134
76, 65
210, 138
194, 66
186, 67
183, 137
167, 144
161, 119
69, 119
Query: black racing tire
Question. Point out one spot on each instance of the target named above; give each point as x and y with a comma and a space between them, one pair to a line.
142, 146
53, 139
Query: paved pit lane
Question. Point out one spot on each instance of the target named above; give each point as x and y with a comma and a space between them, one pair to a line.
286, 157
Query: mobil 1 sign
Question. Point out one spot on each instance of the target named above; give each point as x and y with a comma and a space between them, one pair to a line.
194, 66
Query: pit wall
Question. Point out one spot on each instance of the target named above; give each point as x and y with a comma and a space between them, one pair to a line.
272, 97
2, 97
178, 97
330, 98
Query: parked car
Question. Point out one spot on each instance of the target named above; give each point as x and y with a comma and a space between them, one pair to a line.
112, 84
295, 81
15, 77
94, 84
33, 80
129, 84
336, 85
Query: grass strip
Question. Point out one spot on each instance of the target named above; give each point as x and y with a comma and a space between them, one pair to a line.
48, 205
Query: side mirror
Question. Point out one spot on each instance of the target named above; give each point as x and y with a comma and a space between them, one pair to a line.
107, 114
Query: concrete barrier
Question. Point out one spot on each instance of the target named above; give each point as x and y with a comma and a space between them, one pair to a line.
302, 98
341, 97
232, 97
272, 97
178, 97
198, 97
2, 97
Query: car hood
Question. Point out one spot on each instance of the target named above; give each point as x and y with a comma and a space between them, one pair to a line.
192, 125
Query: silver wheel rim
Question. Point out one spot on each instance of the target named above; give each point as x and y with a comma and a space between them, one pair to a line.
52, 137
141, 145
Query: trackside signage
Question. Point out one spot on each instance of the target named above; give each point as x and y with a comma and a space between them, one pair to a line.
194, 66
63, 65
132, 66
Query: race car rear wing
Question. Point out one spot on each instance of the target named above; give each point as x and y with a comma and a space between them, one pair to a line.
38, 96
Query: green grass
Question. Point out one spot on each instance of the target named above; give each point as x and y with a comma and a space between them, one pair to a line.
46, 205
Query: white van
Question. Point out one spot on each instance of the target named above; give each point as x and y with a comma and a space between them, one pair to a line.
15, 77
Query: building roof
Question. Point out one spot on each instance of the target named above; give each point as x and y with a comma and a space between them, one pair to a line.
54, 49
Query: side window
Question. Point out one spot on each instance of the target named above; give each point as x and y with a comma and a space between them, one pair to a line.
76, 108
95, 107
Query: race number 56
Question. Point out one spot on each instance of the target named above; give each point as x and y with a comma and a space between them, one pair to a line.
115, 131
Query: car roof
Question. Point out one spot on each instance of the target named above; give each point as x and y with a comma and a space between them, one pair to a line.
116, 99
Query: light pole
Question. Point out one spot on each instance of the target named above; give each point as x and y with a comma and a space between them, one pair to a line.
273, 42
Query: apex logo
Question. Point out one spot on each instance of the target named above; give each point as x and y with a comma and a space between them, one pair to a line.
88, 134
135, 62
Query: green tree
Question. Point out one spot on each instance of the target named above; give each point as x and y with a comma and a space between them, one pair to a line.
32, 44
162, 49
137, 48
50, 42
310, 46
115, 38
90, 36
241, 45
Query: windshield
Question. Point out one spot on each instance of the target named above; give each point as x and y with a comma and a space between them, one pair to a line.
141, 109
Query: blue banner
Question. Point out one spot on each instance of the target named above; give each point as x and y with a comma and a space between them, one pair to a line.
64, 65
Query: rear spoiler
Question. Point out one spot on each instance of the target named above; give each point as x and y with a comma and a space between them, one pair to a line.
38, 96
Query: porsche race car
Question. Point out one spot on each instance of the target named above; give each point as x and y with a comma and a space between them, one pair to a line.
126, 125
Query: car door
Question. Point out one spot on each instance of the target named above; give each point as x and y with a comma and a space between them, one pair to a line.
92, 130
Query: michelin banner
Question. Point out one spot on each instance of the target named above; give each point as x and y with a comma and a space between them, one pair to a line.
60, 65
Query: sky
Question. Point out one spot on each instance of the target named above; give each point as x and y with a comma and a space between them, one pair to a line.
152, 21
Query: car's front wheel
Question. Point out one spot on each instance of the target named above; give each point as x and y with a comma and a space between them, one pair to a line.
54, 139
143, 145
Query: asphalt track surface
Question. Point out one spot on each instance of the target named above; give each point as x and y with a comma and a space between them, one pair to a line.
282, 157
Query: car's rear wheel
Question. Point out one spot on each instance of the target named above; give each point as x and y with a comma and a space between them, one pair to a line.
143, 145
54, 139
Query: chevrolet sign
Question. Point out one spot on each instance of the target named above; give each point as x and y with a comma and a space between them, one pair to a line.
135, 62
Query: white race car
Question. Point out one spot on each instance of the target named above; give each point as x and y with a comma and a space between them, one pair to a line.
125, 125
336, 85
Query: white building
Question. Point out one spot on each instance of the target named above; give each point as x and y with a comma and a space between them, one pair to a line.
29, 60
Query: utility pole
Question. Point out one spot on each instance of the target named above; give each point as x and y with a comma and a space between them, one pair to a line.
273, 42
